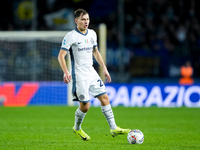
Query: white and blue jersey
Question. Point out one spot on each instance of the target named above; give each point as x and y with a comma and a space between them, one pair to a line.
85, 78
80, 46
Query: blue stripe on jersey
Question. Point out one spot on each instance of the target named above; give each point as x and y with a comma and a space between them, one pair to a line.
101, 94
72, 64
85, 101
64, 49
73, 73
81, 32
95, 46
81, 101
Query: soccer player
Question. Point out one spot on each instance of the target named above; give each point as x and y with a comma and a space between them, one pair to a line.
82, 43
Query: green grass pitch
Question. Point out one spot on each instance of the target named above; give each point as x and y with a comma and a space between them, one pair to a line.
50, 127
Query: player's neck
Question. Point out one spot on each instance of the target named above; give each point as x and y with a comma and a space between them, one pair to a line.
82, 31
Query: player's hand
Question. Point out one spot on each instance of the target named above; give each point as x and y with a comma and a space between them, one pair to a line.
106, 74
67, 77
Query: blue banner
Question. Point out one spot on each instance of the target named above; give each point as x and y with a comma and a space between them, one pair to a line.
146, 95
128, 95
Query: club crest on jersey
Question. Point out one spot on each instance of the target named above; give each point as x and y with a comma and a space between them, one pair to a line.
81, 97
92, 41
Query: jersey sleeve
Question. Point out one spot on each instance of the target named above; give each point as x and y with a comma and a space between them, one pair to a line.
67, 42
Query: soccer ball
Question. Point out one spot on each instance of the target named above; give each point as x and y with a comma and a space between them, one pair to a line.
135, 137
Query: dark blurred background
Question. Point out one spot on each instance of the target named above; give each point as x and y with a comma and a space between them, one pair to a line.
147, 40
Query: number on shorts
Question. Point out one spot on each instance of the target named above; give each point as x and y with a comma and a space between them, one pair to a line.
101, 82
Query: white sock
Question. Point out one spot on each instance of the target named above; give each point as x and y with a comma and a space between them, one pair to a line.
108, 113
79, 116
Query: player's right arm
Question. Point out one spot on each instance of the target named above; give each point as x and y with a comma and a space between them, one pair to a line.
66, 44
61, 59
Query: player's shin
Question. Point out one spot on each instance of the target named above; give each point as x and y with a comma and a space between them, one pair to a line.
108, 113
79, 116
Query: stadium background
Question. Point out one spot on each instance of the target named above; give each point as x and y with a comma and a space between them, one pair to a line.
147, 43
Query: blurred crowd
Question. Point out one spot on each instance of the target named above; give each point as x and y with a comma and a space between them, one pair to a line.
166, 28
162, 33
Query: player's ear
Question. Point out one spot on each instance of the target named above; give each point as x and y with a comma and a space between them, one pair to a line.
76, 21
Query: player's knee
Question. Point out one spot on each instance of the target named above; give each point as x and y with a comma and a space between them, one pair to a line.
104, 100
84, 107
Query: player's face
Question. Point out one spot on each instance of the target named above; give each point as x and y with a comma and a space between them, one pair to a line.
83, 22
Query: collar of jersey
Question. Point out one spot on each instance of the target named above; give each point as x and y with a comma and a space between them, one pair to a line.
81, 32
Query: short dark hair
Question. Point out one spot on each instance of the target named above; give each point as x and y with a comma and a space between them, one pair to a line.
80, 11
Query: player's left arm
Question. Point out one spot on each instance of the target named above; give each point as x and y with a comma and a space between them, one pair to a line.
99, 59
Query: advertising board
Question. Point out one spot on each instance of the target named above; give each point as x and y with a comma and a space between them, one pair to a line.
128, 95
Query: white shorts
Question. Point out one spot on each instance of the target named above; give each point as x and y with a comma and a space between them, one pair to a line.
81, 89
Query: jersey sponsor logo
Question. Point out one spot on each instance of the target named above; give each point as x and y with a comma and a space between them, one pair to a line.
79, 42
85, 49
